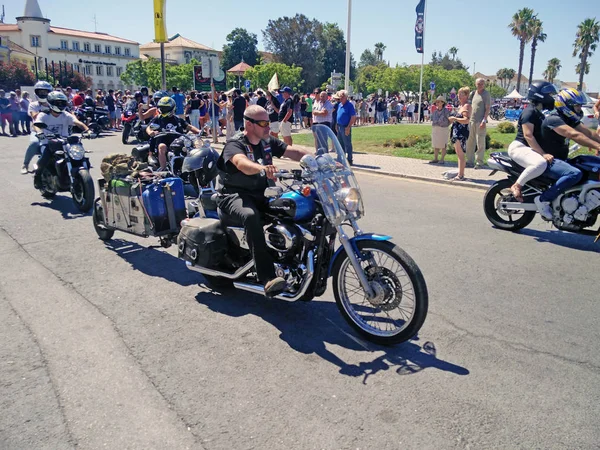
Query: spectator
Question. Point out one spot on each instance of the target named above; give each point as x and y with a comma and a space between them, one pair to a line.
480, 102
363, 112
346, 116
381, 107
232, 127
179, 103
460, 130
272, 108
204, 111
439, 130
109, 101
78, 99
194, 109
118, 108
15, 111
24, 117
285, 115
261, 99
336, 104
239, 106
410, 109
297, 110
322, 110
99, 101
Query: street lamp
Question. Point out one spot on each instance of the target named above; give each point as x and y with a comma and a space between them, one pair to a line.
347, 71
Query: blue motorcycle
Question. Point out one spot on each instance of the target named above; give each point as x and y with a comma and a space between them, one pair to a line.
378, 288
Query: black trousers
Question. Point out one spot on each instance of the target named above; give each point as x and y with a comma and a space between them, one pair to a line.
244, 210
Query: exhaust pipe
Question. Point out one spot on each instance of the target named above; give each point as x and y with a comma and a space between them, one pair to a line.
217, 273
517, 206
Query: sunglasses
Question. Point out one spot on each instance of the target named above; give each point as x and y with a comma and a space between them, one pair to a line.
260, 123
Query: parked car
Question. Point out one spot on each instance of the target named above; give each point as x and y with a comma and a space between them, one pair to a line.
588, 119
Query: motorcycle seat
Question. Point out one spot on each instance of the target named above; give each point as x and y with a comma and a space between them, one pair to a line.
516, 168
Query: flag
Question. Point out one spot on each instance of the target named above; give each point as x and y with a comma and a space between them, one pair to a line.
420, 26
274, 83
160, 25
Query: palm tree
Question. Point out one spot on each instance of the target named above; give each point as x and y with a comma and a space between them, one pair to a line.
379, 48
537, 35
588, 34
521, 29
505, 76
552, 69
453, 51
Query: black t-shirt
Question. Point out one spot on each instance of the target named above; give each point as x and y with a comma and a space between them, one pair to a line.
262, 101
195, 103
170, 123
109, 101
239, 106
285, 107
235, 181
533, 116
273, 115
552, 142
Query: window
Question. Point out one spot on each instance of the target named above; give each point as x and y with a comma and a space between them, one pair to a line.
35, 41
99, 70
75, 46
64, 45
127, 52
88, 69
119, 71
87, 47
109, 71
107, 49
97, 48
76, 68
117, 50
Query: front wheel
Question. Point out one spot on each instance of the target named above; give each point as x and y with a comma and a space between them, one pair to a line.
399, 307
83, 191
505, 220
125, 135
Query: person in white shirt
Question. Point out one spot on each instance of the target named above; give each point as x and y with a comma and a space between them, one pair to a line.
322, 109
41, 89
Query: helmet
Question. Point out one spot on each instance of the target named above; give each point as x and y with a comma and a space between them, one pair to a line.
144, 90
158, 95
202, 162
542, 92
57, 101
166, 106
137, 94
565, 103
42, 89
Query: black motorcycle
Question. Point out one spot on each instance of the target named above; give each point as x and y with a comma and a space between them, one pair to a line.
497, 112
96, 119
576, 210
67, 169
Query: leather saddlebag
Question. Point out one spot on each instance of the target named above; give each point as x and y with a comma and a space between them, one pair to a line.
202, 242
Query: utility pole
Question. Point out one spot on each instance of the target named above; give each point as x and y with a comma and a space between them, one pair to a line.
95, 24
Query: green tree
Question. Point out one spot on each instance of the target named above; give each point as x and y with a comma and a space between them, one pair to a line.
296, 41
135, 73
495, 90
537, 35
453, 51
290, 76
552, 69
15, 74
520, 27
241, 46
368, 58
505, 76
148, 73
588, 35
379, 48
447, 62
333, 48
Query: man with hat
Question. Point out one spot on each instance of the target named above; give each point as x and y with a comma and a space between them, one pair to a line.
346, 116
439, 129
285, 115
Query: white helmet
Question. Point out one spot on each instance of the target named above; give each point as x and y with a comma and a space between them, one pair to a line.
42, 89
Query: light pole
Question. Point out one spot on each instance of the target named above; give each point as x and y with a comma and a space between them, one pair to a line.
347, 71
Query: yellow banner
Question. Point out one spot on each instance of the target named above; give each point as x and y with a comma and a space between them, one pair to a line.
160, 21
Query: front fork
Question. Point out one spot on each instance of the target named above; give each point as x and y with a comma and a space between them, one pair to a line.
354, 257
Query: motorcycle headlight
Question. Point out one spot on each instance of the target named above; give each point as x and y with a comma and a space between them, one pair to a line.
76, 151
350, 198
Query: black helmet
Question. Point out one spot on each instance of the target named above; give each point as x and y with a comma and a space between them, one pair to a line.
202, 162
58, 101
144, 90
158, 95
542, 92
137, 94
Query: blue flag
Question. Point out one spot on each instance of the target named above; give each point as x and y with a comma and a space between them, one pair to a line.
420, 26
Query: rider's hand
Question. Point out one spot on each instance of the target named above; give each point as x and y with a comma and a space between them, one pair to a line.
270, 171
548, 157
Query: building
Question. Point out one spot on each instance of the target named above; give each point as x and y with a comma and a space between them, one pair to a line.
179, 50
9, 51
100, 56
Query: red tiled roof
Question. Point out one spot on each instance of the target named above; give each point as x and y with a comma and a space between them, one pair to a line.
8, 27
90, 35
17, 48
241, 67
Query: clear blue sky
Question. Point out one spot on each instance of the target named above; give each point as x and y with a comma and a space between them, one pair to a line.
478, 28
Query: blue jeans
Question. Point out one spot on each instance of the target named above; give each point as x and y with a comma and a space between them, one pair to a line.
566, 176
237, 124
345, 141
32, 150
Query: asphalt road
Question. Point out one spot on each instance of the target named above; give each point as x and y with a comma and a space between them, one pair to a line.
118, 346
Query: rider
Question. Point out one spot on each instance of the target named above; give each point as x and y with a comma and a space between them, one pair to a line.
558, 127
166, 121
526, 149
41, 89
58, 122
245, 158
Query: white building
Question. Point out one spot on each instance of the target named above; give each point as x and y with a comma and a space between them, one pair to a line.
179, 50
100, 56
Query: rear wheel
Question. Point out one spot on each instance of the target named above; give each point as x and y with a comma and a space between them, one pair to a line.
105, 233
83, 191
505, 220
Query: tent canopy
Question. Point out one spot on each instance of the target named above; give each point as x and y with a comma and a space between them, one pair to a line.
514, 94
240, 69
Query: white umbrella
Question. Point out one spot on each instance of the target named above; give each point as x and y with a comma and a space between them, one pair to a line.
514, 94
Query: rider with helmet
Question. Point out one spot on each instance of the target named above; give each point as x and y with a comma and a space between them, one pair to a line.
41, 89
526, 149
166, 121
557, 128
57, 121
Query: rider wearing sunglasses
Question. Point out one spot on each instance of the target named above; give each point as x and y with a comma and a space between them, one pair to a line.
245, 170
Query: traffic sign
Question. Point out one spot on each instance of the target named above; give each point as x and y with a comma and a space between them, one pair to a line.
247, 84
432, 86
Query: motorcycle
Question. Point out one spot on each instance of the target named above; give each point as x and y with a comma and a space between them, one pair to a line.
95, 118
497, 112
67, 169
130, 122
378, 288
575, 211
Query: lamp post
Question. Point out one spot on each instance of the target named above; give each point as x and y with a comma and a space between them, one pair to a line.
347, 71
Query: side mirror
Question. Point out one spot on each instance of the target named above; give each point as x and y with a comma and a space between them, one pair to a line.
273, 192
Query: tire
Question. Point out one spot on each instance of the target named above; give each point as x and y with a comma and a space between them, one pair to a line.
45, 191
394, 293
83, 191
105, 233
125, 134
504, 220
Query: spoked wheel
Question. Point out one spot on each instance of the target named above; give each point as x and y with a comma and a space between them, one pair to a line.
505, 220
105, 233
83, 191
399, 307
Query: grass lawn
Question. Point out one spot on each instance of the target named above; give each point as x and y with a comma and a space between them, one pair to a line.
371, 139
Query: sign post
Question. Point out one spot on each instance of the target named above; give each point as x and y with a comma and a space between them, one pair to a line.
212, 89
247, 85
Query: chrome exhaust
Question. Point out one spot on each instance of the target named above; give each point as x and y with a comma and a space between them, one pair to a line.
217, 273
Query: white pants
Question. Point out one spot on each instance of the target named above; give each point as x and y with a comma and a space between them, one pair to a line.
533, 163
195, 118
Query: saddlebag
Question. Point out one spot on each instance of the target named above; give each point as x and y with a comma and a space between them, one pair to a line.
202, 242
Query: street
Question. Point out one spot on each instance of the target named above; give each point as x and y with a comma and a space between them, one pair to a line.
117, 345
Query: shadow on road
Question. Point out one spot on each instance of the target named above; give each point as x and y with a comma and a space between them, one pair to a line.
154, 262
308, 327
64, 205
564, 239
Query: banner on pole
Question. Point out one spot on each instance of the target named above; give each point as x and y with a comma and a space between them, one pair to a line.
420, 26
160, 21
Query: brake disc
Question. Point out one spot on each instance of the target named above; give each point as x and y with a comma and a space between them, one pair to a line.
387, 287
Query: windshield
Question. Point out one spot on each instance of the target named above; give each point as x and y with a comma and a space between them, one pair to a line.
333, 178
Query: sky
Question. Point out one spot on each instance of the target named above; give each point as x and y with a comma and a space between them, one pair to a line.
478, 28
